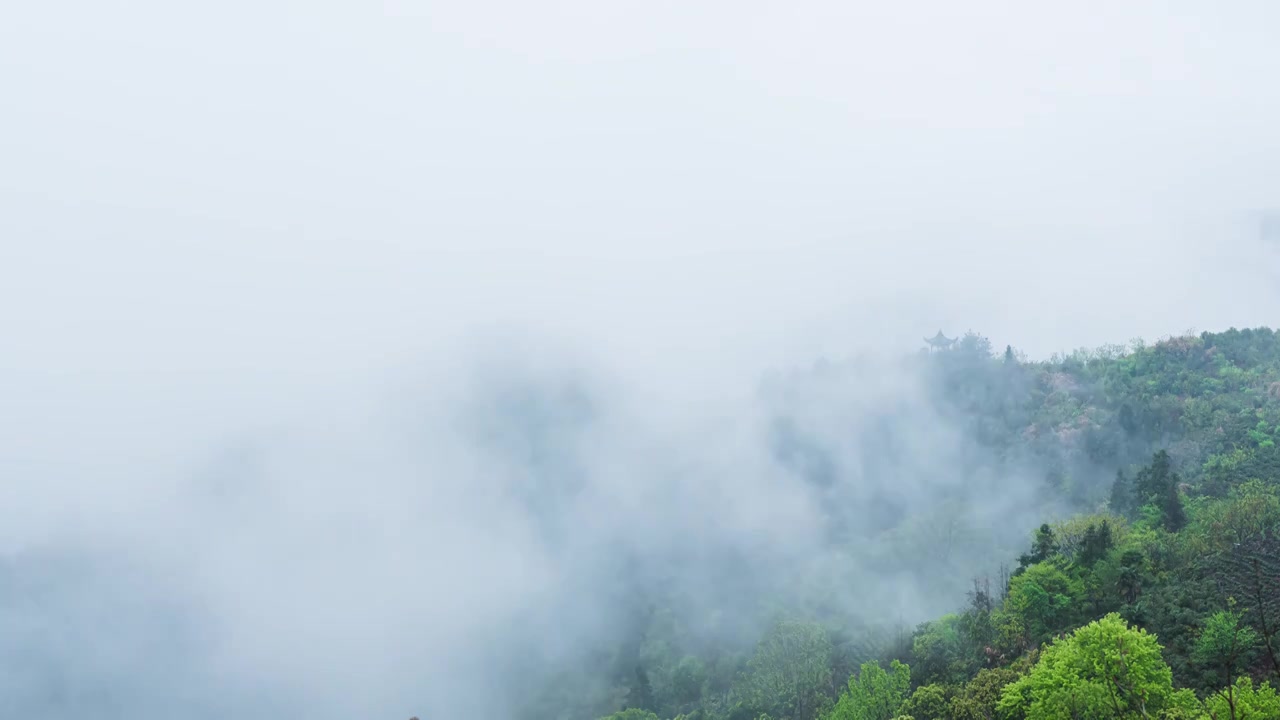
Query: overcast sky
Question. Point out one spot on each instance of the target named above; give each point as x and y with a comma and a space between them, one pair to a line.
216, 217
244, 186
244, 198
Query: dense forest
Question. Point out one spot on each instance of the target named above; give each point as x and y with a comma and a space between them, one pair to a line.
1131, 571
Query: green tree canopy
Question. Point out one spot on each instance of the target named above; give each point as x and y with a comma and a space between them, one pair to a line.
1043, 598
1243, 701
790, 673
874, 694
1226, 644
928, 702
1105, 669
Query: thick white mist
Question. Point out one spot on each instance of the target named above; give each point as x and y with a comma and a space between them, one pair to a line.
306, 308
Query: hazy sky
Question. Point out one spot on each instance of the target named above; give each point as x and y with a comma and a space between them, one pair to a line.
226, 218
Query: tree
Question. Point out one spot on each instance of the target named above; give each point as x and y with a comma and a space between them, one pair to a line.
1157, 484
977, 627
1129, 579
873, 694
1086, 539
1226, 644
1102, 670
686, 681
1097, 542
1251, 511
1252, 572
928, 702
1043, 598
1246, 702
978, 698
938, 650
790, 673
1042, 547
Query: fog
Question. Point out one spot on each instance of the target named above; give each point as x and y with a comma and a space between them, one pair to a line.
357, 358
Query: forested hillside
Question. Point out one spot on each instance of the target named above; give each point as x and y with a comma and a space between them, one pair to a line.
1096, 536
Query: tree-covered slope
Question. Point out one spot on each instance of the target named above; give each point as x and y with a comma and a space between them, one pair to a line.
1106, 532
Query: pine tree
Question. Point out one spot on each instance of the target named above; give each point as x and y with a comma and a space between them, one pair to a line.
1122, 495
1157, 484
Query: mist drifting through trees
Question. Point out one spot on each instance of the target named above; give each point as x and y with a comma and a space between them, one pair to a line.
557, 360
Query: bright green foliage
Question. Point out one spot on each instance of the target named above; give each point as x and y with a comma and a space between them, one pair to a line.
1243, 701
790, 672
1184, 705
1226, 644
1042, 597
1103, 670
873, 694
